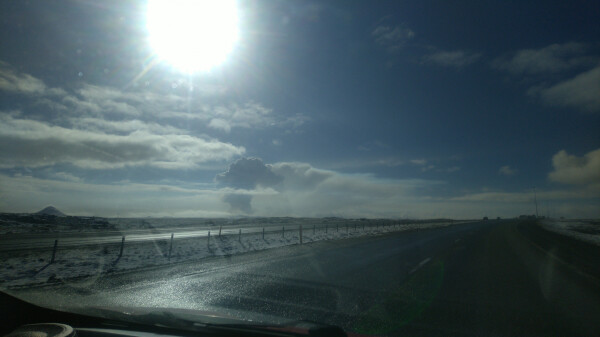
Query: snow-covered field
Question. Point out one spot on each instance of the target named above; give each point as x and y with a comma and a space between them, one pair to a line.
584, 230
24, 268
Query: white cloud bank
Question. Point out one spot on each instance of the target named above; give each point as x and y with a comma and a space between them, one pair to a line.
251, 187
30, 143
574, 170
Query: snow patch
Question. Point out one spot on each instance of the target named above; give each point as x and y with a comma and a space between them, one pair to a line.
584, 230
28, 268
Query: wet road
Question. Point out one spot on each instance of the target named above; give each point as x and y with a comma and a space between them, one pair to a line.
486, 278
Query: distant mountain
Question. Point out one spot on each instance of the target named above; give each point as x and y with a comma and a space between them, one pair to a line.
50, 210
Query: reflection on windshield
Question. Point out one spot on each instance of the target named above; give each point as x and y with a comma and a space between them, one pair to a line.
384, 168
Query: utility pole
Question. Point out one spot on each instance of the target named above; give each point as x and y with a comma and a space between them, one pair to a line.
535, 200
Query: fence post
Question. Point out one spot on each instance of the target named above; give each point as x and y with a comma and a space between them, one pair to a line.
300, 234
220, 227
54, 251
171, 246
122, 244
263, 233
208, 241
240, 236
283, 231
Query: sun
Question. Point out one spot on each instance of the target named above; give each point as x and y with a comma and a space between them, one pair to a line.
192, 35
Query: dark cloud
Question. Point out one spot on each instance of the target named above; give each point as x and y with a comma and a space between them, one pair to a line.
246, 173
240, 203
249, 173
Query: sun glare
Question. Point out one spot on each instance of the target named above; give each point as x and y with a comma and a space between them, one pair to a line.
192, 35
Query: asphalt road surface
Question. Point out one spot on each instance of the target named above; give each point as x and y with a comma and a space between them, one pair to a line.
494, 278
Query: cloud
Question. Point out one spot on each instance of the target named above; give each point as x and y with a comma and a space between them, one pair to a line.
248, 115
298, 189
527, 196
117, 104
419, 162
251, 173
121, 127
550, 59
64, 176
318, 192
225, 117
107, 100
12, 81
511, 197
393, 38
457, 58
578, 201
574, 170
373, 145
580, 92
219, 124
450, 169
122, 199
507, 170
304, 191
248, 173
31, 143
240, 203
300, 176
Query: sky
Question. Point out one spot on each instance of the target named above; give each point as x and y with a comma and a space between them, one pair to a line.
387, 109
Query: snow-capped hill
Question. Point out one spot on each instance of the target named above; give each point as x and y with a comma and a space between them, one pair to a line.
50, 210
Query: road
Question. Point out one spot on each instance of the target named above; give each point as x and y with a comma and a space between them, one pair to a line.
498, 278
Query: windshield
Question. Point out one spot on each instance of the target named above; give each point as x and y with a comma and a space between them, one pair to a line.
388, 168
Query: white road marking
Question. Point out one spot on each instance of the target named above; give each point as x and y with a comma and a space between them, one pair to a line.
421, 264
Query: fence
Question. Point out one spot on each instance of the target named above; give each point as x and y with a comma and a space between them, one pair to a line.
293, 234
